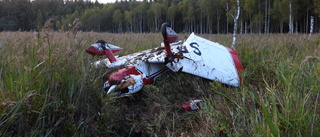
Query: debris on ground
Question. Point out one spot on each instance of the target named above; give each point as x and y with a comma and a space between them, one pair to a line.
191, 105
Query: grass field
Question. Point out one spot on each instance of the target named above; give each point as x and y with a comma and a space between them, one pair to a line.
48, 88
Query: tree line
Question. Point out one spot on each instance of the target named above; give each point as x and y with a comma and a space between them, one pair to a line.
200, 16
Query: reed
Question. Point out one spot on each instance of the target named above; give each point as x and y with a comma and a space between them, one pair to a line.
49, 88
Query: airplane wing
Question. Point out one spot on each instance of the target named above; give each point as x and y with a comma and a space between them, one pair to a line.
132, 59
201, 57
209, 60
136, 58
205, 59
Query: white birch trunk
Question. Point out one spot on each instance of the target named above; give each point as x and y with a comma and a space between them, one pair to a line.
265, 16
311, 25
290, 18
235, 25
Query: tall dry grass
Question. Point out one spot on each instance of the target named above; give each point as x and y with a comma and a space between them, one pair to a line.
48, 88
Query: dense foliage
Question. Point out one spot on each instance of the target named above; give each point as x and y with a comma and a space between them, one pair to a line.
201, 16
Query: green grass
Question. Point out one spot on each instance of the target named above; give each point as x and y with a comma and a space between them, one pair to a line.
48, 88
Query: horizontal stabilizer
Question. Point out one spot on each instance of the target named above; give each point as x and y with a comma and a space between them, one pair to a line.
98, 49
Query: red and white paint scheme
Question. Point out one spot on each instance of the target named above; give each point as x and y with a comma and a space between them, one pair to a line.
197, 56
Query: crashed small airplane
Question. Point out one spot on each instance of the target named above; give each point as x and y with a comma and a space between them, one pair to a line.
196, 56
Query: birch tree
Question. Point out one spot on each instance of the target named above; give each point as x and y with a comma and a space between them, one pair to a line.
280, 13
128, 19
291, 27
139, 15
117, 19
191, 18
311, 25
249, 7
218, 11
202, 3
235, 15
267, 16
172, 14
155, 12
182, 8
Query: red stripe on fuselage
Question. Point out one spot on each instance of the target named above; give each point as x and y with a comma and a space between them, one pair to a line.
116, 77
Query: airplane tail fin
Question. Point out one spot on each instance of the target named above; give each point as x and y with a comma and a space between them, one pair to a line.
169, 36
101, 48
